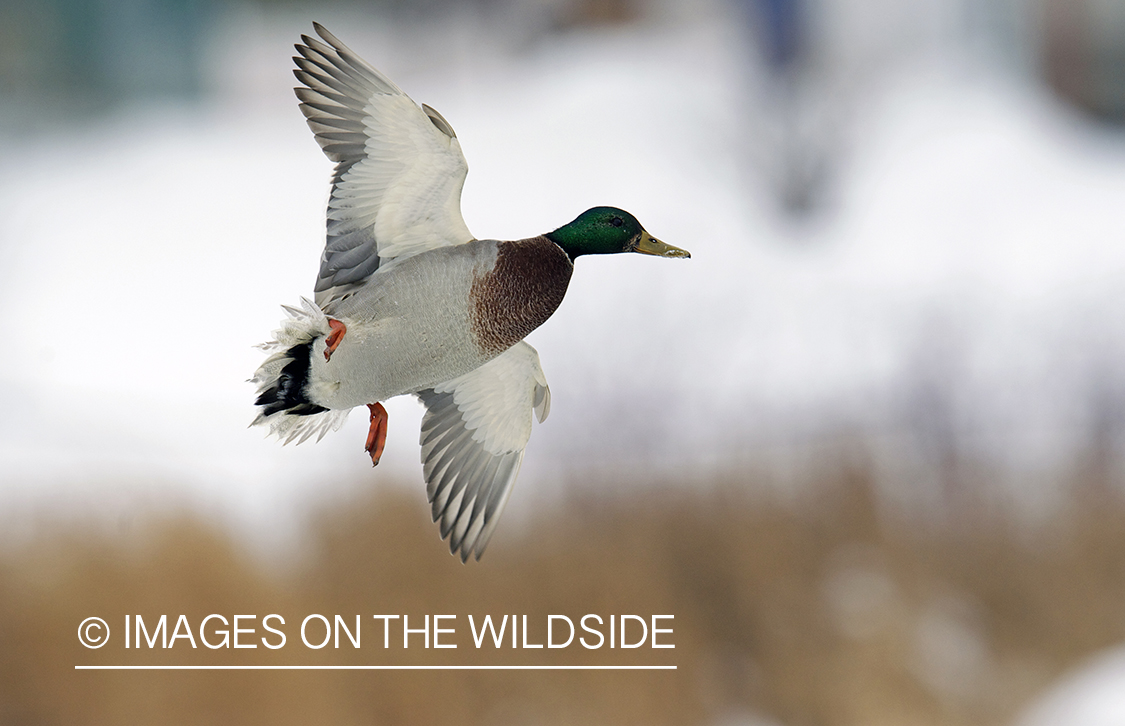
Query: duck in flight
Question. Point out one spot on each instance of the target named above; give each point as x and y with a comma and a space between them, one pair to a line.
408, 301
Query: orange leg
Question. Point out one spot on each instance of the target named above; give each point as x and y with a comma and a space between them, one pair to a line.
334, 338
377, 434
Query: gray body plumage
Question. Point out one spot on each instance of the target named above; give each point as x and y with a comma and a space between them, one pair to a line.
408, 326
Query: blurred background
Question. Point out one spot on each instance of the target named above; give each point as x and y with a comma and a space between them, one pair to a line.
866, 445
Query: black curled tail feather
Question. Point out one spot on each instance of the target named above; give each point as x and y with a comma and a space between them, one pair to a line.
287, 394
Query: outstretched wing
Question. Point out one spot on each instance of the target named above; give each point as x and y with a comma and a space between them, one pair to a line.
399, 172
473, 435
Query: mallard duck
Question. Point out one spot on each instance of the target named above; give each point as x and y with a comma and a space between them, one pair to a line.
408, 301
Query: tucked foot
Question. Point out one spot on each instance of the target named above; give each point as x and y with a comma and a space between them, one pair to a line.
377, 434
334, 338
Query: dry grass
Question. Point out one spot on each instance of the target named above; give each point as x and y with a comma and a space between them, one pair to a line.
823, 614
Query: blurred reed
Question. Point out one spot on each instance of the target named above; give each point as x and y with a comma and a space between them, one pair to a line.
830, 611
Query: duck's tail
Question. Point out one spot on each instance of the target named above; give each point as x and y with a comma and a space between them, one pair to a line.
283, 378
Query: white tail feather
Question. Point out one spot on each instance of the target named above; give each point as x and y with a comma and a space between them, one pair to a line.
303, 325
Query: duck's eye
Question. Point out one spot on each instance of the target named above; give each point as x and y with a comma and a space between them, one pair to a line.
617, 221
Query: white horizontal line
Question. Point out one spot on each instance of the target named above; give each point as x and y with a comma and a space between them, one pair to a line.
374, 667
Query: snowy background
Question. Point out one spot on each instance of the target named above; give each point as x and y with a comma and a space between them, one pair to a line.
905, 229
954, 282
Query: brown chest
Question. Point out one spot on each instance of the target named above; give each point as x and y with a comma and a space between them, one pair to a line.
519, 294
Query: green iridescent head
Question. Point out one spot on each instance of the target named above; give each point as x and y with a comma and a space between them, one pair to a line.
607, 231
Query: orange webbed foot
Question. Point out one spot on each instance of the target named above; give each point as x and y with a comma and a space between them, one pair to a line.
334, 338
377, 434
